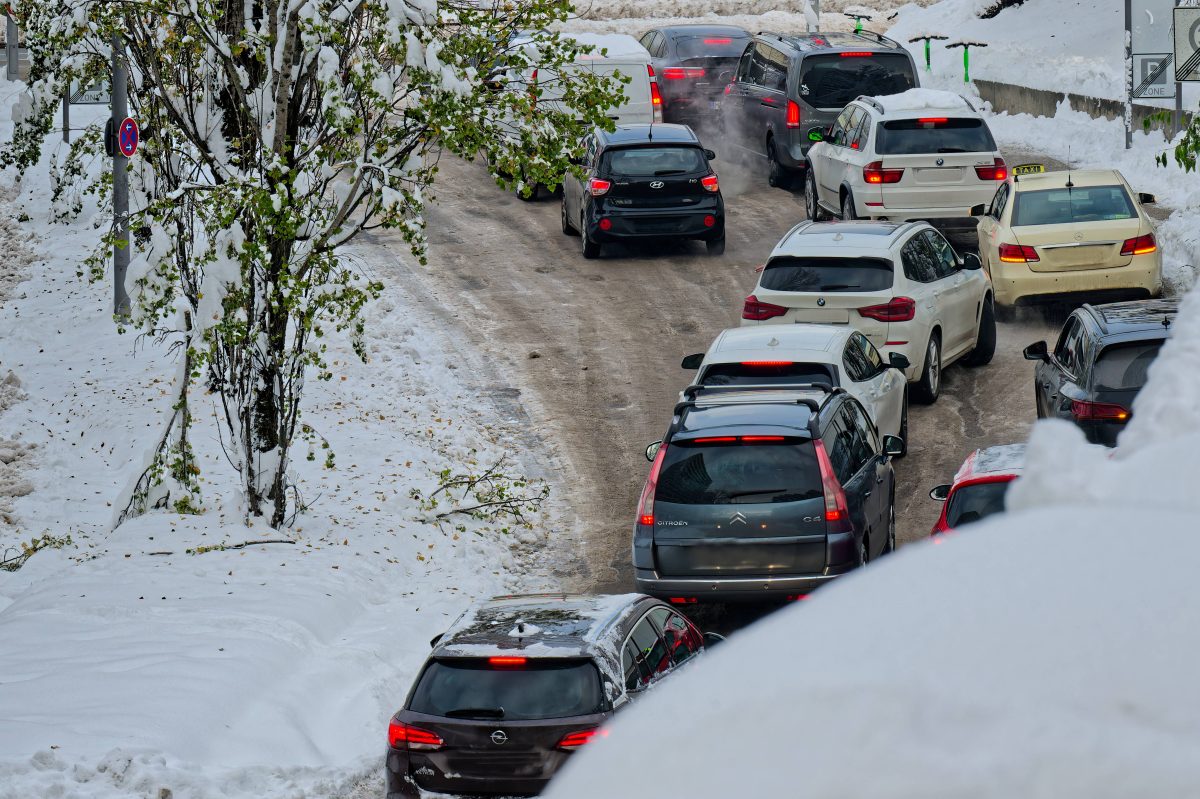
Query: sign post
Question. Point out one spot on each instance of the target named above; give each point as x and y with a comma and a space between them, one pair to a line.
11, 53
120, 116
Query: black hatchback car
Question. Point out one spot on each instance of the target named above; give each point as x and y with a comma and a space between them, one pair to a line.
694, 64
1099, 364
518, 683
644, 182
763, 493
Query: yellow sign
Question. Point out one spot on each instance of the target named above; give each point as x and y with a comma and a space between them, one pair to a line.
1028, 169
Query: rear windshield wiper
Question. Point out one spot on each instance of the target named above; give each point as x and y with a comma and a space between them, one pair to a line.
476, 713
840, 286
951, 150
661, 172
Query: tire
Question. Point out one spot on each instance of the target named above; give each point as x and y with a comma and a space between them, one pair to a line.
591, 249
815, 212
927, 389
848, 214
566, 222
716, 246
985, 344
777, 175
904, 425
864, 550
889, 546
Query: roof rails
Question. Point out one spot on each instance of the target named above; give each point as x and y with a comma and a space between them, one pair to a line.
878, 106
813, 405
878, 37
970, 105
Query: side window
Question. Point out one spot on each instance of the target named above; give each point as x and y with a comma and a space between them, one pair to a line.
774, 68
853, 125
743, 72
866, 440
838, 444
754, 73
999, 201
945, 261
838, 134
1068, 343
918, 260
872, 356
857, 368
855, 445
647, 37
858, 139
659, 46
650, 650
680, 637
635, 678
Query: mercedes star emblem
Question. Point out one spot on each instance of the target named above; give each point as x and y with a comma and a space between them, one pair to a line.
821, 301
499, 737
737, 518
941, 162
657, 184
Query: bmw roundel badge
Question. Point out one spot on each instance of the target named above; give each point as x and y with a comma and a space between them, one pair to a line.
821, 301
941, 162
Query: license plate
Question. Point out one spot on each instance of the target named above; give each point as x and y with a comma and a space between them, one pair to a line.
713, 105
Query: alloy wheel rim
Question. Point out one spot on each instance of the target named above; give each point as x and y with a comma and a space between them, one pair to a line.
935, 366
810, 199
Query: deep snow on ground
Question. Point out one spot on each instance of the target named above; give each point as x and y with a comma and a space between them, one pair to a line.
127, 665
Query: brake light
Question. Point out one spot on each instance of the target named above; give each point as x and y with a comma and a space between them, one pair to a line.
683, 600
728, 88
598, 187
997, 171
1142, 245
767, 363
405, 736
897, 309
1018, 254
1084, 411
725, 40
932, 121
681, 73
655, 97
605, 223
710, 183
761, 439
793, 114
857, 54
710, 220
758, 311
574, 740
836, 508
715, 440
646, 503
875, 173
504, 662
797, 597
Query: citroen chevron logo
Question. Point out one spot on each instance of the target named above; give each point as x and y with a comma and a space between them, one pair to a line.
737, 518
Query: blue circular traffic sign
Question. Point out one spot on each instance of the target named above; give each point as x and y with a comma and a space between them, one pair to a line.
128, 137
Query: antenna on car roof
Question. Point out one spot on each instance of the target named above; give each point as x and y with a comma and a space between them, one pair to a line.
1070, 183
650, 133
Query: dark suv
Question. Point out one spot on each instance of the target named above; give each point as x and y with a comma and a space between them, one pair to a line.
518, 683
644, 182
693, 64
763, 493
1099, 364
787, 85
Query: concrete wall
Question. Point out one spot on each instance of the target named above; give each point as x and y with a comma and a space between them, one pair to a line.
1040, 102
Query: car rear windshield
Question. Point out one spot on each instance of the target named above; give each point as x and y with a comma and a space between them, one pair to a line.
637, 162
833, 80
974, 502
1124, 366
916, 137
739, 473
540, 689
721, 46
827, 274
761, 374
1079, 204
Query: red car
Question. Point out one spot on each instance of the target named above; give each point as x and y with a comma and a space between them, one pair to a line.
979, 487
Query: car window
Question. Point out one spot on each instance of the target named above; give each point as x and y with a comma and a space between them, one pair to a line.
758, 65
866, 440
933, 135
832, 80
654, 161
837, 134
853, 124
839, 444
635, 675
774, 68
859, 125
1124, 366
681, 638
1065, 206
945, 260
743, 72
725, 473
1068, 341
650, 649
722, 47
974, 502
827, 274
856, 364
758, 373
920, 264
541, 689
589, 157
646, 39
997, 208
869, 352
660, 46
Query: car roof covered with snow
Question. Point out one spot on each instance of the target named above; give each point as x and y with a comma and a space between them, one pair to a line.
915, 102
992, 462
845, 239
775, 342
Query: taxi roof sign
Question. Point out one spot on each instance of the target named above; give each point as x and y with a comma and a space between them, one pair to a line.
1028, 169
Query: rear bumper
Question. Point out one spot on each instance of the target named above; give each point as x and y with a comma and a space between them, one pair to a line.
657, 224
733, 589
1017, 284
954, 218
399, 785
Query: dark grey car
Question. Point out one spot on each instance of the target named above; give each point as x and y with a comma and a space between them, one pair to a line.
1099, 364
694, 64
518, 683
763, 493
786, 85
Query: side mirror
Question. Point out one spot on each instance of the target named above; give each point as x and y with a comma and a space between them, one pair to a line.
940, 493
816, 134
434, 640
652, 450
1037, 352
712, 639
710, 155
1146, 199
692, 361
893, 446
979, 210
898, 360
971, 261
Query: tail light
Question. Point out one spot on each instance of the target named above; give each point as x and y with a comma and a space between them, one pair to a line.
875, 173
598, 187
728, 88
997, 171
897, 309
718, 40
710, 220
681, 73
1085, 411
753, 309
1018, 254
655, 97
710, 183
836, 507
574, 740
793, 114
405, 736
1142, 245
646, 503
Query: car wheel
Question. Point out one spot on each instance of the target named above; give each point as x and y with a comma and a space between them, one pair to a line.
591, 249
864, 550
904, 425
716, 246
777, 174
890, 545
566, 220
848, 214
930, 385
985, 344
815, 212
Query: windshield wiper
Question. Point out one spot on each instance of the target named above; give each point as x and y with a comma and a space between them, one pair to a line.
661, 172
840, 286
733, 494
476, 713
951, 150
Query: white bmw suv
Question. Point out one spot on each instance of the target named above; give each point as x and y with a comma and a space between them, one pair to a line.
922, 154
900, 284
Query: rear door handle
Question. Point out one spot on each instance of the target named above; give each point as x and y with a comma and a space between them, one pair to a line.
879, 479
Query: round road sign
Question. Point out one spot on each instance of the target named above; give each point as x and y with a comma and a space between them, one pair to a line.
128, 137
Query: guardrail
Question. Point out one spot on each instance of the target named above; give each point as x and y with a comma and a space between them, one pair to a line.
1041, 102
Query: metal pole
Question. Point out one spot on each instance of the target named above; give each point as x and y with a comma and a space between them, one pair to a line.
67, 116
816, 7
120, 110
10, 48
1178, 108
1128, 74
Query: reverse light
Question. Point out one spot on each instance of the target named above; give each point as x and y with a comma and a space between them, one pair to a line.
836, 507
857, 54
646, 503
997, 171
710, 183
1142, 245
897, 309
758, 311
875, 173
793, 114
574, 740
598, 187
1085, 411
405, 736
1018, 254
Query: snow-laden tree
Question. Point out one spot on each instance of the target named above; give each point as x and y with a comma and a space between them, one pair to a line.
277, 130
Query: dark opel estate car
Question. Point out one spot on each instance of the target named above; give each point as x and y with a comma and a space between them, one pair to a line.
644, 182
518, 683
763, 493
1099, 364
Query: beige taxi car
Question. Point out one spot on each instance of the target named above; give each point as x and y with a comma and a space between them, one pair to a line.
1071, 235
